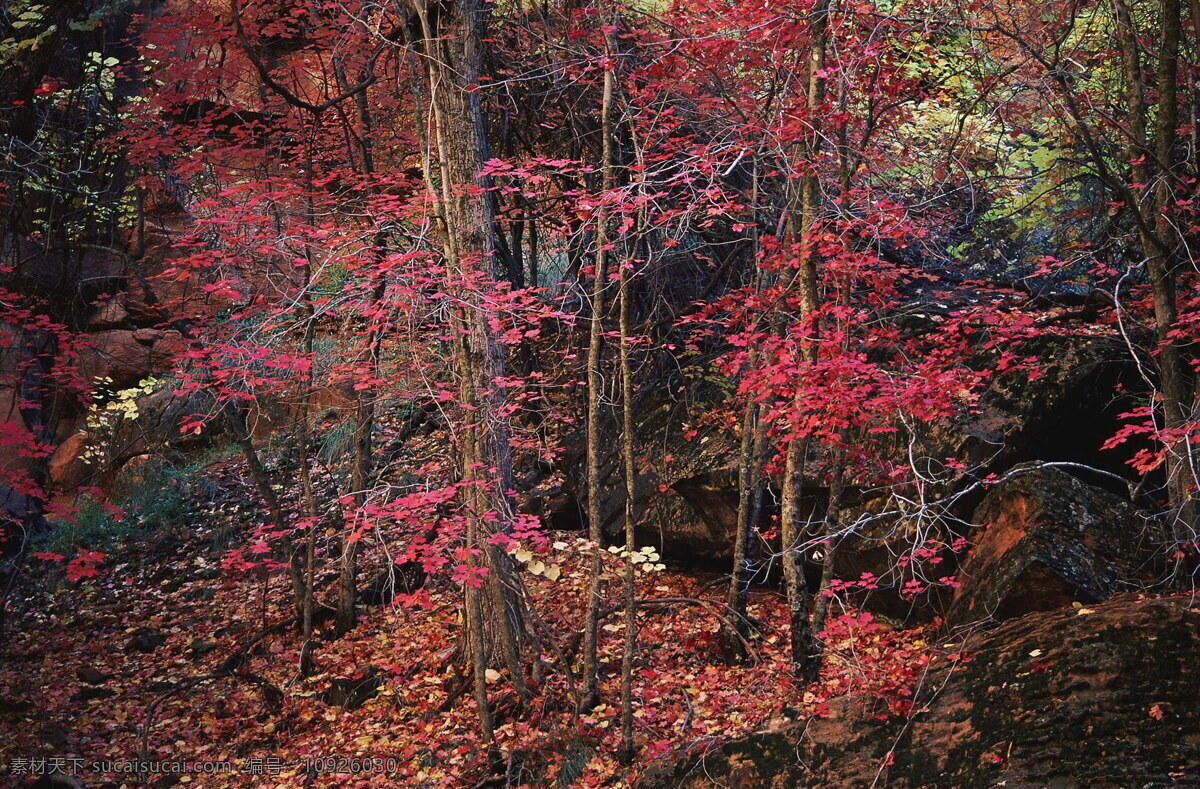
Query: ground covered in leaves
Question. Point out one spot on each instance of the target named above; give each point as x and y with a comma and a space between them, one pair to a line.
170, 652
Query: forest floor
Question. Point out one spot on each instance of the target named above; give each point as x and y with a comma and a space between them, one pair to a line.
118, 667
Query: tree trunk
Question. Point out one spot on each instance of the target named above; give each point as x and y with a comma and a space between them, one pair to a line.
750, 483
305, 438
805, 657
627, 427
595, 381
310, 504
833, 513
495, 620
749, 486
235, 418
364, 414
1173, 375
1151, 170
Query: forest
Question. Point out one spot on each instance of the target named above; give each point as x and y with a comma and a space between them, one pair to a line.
599, 393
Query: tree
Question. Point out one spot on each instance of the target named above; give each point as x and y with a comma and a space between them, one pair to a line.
496, 627
1134, 153
595, 373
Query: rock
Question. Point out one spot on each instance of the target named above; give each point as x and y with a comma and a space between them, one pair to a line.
117, 355
109, 313
685, 486
352, 692
708, 508
201, 593
161, 686
1065, 413
91, 676
894, 552
129, 355
166, 349
556, 508
687, 471
145, 640
11, 705
53, 734
66, 469
1048, 540
161, 414
1100, 697
13, 454
20, 508
141, 305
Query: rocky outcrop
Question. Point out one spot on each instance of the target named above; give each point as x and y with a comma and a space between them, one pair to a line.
905, 559
1064, 413
128, 355
109, 313
1090, 697
1047, 540
157, 429
161, 416
687, 485
678, 467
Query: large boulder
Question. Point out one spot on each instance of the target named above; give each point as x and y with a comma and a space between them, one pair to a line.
895, 565
67, 468
1047, 540
1094, 697
16, 456
1065, 413
681, 466
686, 486
688, 463
158, 427
126, 356
109, 312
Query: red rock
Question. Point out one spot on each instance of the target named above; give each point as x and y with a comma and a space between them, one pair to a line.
128, 356
117, 355
166, 349
66, 469
12, 458
1063, 698
1049, 540
109, 313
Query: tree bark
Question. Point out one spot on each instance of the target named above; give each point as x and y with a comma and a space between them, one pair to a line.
627, 427
1152, 172
750, 482
805, 657
1173, 375
235, 418
495, 622
364, 413
595, 381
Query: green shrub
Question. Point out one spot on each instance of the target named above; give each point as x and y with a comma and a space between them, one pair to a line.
158, 497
